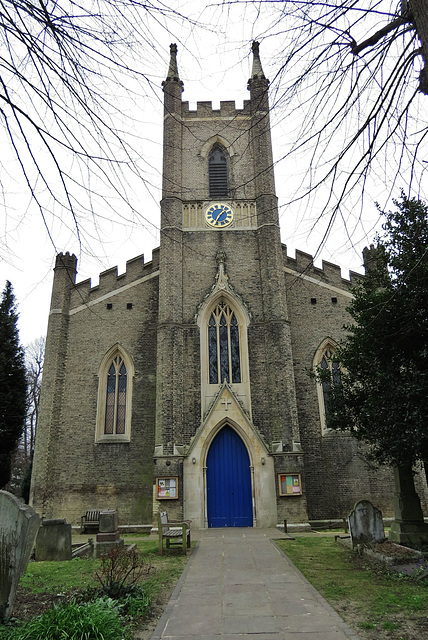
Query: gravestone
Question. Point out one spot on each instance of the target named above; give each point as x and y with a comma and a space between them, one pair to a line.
108, 535
19, 524
365, 524
53, 541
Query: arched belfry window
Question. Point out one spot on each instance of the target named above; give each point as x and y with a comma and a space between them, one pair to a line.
217, 172
114, 422
115, 397
329, 368
223, 346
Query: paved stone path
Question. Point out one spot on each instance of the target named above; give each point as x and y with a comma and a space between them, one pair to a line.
238, 585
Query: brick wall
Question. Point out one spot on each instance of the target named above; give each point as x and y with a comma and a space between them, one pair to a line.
84, 474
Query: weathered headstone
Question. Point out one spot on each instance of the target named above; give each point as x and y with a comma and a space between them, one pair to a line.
53, 541
19, 524
108, 535
365, 524
109, 526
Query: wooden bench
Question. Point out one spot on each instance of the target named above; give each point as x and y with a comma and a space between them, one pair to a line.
175, 532
90, 522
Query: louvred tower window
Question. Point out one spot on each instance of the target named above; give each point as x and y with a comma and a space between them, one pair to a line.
217, 172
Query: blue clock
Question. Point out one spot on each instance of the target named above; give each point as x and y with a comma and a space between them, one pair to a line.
219, 215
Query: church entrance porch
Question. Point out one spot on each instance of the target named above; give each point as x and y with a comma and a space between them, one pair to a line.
229, 495
228, 472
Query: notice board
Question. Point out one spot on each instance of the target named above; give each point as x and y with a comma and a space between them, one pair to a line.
167, 488
290, 484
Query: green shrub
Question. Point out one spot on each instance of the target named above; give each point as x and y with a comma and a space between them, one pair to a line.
133, 601
99, 620
121, 569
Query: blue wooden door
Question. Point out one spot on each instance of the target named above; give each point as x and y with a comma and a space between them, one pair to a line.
229, 502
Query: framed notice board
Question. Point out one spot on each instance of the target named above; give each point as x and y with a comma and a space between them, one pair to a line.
290, 484
167, 488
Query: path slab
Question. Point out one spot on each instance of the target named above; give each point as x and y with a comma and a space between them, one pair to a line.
238, 585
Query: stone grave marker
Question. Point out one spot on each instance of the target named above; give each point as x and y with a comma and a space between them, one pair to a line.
53, 541
108, 536
365, 524
19, 524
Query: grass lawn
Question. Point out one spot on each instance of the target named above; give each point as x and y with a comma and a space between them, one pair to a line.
377, 603
48, 583
62, 577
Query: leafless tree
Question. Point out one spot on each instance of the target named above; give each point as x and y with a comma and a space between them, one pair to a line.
34, 357
69, 71
351, 91
23, 456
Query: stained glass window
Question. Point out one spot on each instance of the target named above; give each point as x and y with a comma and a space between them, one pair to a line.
116, 398
328, 363
223, 346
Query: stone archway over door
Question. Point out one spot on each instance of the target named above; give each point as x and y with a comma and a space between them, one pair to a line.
229, 495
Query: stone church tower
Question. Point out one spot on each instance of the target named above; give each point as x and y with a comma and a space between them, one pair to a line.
183, 382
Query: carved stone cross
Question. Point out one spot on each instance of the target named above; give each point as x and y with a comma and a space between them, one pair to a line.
226, 402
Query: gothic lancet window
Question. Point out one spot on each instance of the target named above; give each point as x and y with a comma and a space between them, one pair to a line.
217, 172
116, 398
330, 370
223, 346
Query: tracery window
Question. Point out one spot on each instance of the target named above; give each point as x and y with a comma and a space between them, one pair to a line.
217, 172
223, 346
330, 369
115, 397
115, 413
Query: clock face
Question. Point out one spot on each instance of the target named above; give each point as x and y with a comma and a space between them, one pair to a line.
219, 215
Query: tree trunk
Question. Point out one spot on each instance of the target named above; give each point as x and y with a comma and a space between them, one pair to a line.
419, 11
426, 469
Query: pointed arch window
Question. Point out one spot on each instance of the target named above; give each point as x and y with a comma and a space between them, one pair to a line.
114, 397
217, 172
330, 370
223, 346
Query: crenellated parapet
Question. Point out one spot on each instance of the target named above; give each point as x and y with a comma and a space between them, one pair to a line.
66, 260
329, 273
110, 280
374, 258
205, 110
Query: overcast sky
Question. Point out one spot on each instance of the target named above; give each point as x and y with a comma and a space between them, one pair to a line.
214, 63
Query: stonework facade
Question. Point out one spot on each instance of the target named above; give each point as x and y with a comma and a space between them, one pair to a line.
184, 382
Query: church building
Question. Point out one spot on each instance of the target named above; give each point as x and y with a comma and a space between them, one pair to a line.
184, 382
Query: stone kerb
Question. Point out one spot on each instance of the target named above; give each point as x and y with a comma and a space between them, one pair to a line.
19, 524
365, 524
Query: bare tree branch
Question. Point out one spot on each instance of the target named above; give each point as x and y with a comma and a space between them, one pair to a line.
353, 121
67, 72
374, 39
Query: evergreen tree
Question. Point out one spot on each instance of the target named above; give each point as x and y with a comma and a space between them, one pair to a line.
382, 398
12, 383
